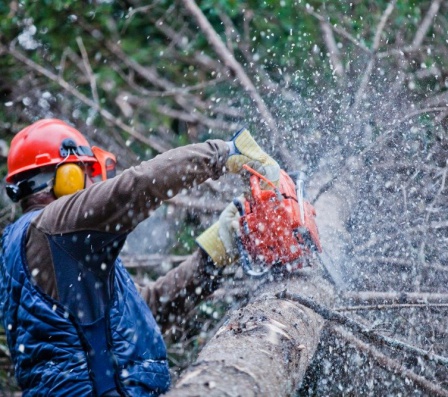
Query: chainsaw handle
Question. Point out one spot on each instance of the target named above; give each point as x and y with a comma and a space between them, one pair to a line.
259, 176
239, 206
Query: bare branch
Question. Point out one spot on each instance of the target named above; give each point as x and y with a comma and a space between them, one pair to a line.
373, 297
267, 84
191, 117
438, 101
419, 112
89, 71
66, 53
155, 261
149, 141
181, 96
376, 43
148, 73
200, 58
333, 50
210, 106
133, 11
375, 145
392, 365
407, 264
331, 315
214, 206
337, 29
426, 23
384, 259
231, 62
196, 117
401, 51
382, 24
397, 306
387, 260
229, 30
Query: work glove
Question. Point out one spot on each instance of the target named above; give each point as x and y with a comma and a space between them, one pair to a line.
219, 240
244, 150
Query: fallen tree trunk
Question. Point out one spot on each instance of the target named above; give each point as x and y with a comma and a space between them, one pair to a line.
264, 348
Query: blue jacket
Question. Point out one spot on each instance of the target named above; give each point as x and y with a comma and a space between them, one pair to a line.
50, 348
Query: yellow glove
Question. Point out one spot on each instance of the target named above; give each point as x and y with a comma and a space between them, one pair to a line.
244, 149
218, 241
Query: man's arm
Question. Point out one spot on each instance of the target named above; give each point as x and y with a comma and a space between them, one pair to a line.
119, 204
175, 294
181, 289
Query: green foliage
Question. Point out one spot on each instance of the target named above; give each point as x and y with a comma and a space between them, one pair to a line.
283, 39
185, 238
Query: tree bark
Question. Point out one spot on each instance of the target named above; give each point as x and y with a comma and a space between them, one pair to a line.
264, 348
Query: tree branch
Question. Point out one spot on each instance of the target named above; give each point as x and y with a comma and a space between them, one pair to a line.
376, 43
337, 29
377, 297
150, 74
225, 55
426, 23
333, 50
401, 51
390, 307
189, 117
406, 263
419, 112
392, 365
149, 141
89, 71
330, 315
199, 58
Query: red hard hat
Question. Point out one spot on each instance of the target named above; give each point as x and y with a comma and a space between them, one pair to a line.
46, 142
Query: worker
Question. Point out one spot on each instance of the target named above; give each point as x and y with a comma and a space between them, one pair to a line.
76, 324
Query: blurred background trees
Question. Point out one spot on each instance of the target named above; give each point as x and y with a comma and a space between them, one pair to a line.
354, 93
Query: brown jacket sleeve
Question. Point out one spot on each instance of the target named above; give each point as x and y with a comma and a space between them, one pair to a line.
181, 289
118, 205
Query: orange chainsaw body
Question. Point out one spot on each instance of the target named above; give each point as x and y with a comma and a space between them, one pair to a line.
274, 230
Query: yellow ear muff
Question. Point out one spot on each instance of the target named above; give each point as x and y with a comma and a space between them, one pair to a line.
69, 178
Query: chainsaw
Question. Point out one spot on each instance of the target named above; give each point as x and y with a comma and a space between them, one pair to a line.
277, 226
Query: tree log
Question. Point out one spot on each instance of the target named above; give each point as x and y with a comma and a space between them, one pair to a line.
263, 348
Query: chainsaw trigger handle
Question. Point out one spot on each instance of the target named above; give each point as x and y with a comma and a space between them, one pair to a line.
259, 176
239, 205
